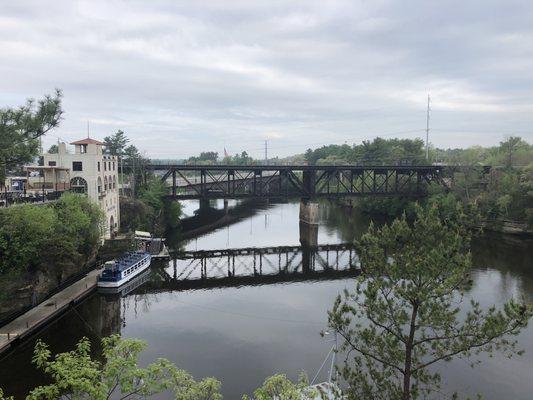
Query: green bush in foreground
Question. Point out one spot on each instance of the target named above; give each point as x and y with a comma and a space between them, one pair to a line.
76, 375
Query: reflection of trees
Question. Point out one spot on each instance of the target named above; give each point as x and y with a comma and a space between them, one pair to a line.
351, 223
511, 256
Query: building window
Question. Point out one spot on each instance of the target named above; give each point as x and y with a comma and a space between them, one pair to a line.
98, 166
105, 166
83, 148
52, 163
113, 165
78, 185
77, 166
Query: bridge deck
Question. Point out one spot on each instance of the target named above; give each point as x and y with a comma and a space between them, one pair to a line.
306, 181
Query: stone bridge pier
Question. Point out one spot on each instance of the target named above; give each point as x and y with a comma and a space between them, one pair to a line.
308, 223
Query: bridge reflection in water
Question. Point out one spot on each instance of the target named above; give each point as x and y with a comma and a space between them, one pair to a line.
254, 266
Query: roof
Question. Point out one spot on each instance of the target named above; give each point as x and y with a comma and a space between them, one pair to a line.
88, 141
143, 234
44, 168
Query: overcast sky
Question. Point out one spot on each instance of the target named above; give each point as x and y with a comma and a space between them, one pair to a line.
180, 77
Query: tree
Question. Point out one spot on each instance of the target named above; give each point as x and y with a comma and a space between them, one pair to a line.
205, 157
116, 143
278, 387
135, 164
43, 237
76, 375
54, 149
5, 398
403, 316
21, 128
509, 147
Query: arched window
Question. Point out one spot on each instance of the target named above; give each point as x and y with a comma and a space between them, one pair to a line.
114, 182
105, 183
78, 185
99, 185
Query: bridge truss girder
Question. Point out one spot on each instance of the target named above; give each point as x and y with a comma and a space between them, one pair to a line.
188, 182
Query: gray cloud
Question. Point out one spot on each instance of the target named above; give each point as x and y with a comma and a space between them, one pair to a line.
181, 77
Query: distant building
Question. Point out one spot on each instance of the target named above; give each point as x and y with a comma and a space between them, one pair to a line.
88, 170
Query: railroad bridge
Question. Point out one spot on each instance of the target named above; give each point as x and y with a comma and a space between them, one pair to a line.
307, 182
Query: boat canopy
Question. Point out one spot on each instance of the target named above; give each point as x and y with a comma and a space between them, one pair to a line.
141, 235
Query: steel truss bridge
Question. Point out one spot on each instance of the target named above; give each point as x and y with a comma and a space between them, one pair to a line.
227, 181
255, 266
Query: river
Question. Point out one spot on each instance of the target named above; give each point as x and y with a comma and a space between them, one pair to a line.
243, 331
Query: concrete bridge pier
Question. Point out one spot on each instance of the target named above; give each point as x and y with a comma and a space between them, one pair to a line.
308, 223
204, 203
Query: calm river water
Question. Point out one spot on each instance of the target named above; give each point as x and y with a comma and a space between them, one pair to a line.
242, 331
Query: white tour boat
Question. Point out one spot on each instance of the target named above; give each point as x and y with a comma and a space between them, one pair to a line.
120, 271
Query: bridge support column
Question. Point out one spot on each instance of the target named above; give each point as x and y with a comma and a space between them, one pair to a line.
226, 206
307, 259
308, 223
204, 203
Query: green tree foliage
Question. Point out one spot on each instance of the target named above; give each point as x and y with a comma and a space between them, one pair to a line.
116, 143
54, 149
238, 159
135, 165
377, 152
510, 147
512, 152
37, 237
24, 233
21, 128
5, 398
151, 211
205, 157
403, 316
504, 193
76, 375
278, 387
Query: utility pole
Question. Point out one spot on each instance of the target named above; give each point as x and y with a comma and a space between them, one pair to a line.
266, 152
427, 131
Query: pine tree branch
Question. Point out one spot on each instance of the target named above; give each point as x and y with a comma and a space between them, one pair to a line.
466, 348
367, 354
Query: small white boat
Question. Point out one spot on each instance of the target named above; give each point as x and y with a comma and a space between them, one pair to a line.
119, 271
128, 287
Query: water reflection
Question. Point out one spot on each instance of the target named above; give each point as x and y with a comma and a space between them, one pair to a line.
253, 267
268, 321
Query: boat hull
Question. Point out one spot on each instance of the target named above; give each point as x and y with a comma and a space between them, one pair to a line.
115, 284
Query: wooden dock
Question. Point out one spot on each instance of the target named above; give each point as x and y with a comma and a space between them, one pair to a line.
36, 318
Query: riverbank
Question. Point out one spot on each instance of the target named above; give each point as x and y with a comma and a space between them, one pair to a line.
37, 317
504, 226
43, 249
